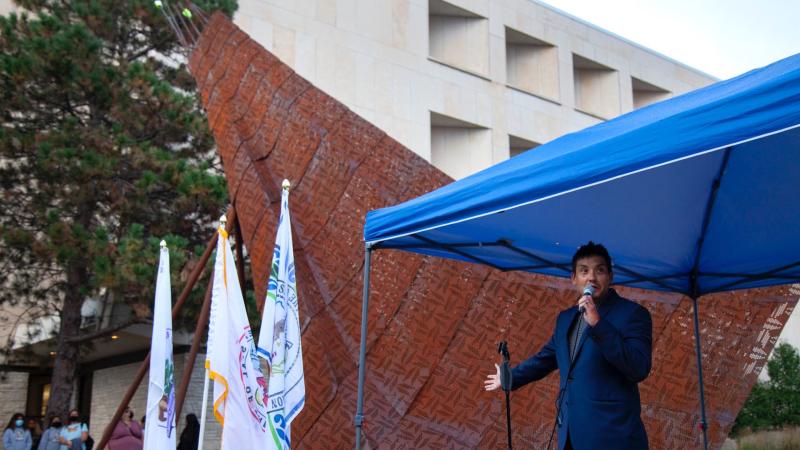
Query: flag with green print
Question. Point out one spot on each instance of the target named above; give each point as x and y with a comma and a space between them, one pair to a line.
160, 432
279, 339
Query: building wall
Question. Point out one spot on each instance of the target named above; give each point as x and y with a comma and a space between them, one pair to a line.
111, 384
394, 62
6, 7
13, 394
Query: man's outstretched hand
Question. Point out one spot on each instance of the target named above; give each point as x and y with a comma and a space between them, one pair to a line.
492, 380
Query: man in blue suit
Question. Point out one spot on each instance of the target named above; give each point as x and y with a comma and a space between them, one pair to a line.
601, 354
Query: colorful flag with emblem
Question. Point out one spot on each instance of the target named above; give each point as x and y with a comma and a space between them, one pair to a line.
239, 386
160, 431
279, 339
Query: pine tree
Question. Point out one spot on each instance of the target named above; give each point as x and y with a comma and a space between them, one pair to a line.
774, 404
784, 379
104, 151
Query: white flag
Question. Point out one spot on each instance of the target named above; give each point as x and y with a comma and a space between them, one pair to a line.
160, 431
239, 386
279, 339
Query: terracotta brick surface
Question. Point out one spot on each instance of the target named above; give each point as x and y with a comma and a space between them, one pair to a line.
247, 87
274, 75
251, 203
316, 344
202, 57
227, 89
235, 163
277, 117
433, 324
203, 75
215, 77
334, 162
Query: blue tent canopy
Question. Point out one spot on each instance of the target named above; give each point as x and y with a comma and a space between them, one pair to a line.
696, 194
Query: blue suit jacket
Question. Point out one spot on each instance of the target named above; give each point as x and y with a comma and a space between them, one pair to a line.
601, 407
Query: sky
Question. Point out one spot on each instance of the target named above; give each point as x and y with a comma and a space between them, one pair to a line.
722, 38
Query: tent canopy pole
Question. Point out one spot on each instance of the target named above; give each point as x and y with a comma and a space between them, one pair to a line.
362, 354
694, 288
703, 422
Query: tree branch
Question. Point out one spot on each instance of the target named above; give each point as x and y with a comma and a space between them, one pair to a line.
106, 331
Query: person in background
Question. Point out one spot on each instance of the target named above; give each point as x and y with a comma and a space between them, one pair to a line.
190, 436
127, 435
49, 440
16, 437
74, 433
35, 429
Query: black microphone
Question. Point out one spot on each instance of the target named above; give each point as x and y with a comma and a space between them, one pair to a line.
588, 290
505, 368
505, 384
502, 348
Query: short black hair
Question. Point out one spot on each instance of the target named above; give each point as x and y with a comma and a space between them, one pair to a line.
591, 249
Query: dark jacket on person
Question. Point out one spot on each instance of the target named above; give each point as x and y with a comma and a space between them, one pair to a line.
600, 409
190, 438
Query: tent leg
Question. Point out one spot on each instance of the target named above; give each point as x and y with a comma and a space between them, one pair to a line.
362, 355
703, 422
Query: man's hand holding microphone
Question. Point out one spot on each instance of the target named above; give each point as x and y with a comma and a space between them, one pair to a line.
587, 307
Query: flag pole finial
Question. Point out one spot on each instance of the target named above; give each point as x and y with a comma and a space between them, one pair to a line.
286, 185
163, 244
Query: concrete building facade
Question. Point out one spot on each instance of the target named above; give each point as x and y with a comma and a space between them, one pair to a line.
465, 83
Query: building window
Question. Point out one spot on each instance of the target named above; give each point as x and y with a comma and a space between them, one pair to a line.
645, 93
458, 37
45, 398
531, 65
518, 145
459, 148
596, 88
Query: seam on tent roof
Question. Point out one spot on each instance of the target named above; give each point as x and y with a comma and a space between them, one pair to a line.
596, 183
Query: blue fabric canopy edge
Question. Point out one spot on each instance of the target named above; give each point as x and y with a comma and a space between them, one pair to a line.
754, 105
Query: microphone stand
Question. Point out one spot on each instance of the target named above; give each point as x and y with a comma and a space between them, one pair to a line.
505, 384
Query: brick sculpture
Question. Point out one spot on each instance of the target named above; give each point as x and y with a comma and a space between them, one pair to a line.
433, 323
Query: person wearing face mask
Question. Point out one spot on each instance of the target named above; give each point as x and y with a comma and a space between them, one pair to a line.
191, 434
74, 433
50, 436
127, 435
16, 436
36, 430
